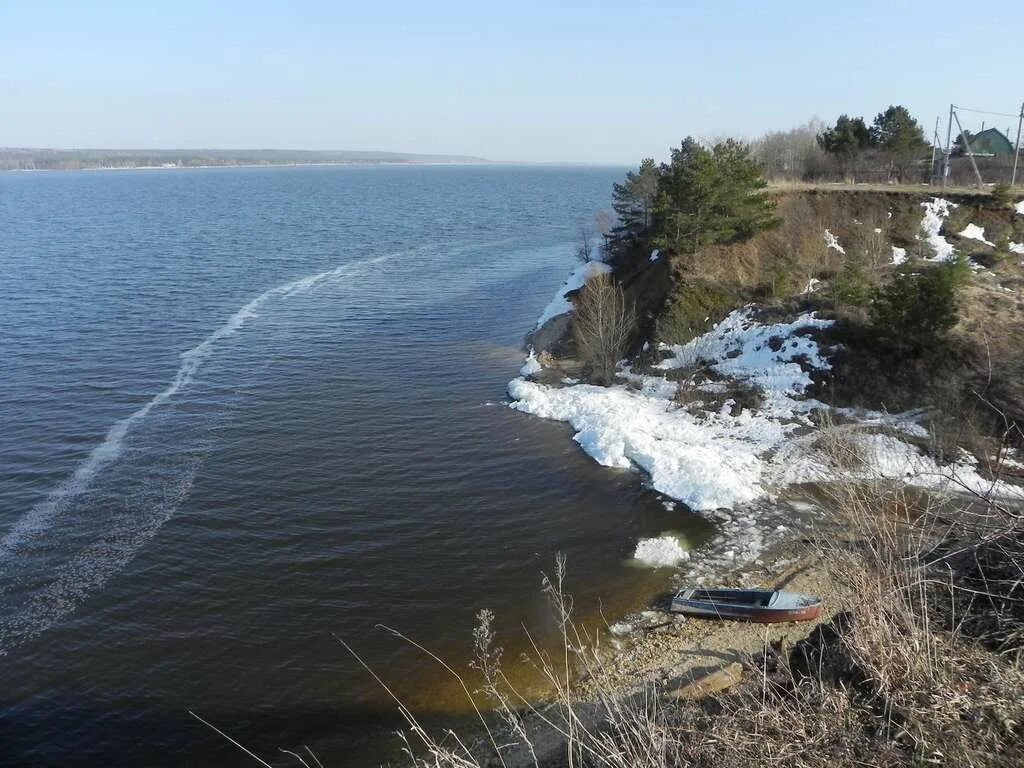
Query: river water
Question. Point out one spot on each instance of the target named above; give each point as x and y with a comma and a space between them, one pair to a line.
246, 411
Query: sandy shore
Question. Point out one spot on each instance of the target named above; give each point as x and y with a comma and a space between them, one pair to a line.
671, 649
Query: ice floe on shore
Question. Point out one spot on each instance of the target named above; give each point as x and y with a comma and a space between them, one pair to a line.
704, 465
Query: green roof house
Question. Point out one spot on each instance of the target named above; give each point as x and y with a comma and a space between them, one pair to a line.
990, 143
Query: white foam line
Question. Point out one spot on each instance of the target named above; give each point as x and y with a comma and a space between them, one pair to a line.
90, 569
37, 519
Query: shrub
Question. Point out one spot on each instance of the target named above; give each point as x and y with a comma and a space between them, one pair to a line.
905, 228
1002, 195
914, 311
691, 310
959, 218
851, 287
783, 278
1002, 249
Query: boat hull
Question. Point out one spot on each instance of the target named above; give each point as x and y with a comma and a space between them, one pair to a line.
762, 607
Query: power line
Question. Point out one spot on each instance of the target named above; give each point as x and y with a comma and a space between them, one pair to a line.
986, 112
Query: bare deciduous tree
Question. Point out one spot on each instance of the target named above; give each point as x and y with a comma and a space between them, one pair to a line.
585, 242
790, 155
588, 247
603, 324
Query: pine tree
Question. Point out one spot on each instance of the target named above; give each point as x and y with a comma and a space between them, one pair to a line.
710, 196
959, 148
850, 286
916, 310
633, 200
849, 135
901, 138
847, 140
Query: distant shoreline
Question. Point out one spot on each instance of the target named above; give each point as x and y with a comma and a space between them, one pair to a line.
350, 163
353, 163
100, 158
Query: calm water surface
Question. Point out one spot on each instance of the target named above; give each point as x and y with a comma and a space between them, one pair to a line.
245, 410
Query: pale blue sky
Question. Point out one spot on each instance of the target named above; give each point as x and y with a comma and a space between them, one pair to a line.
520, 80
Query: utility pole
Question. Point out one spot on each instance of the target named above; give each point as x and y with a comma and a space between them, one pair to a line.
949, 147
969, 151
1016, 149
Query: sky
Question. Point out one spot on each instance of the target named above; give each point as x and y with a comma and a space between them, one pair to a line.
598, 82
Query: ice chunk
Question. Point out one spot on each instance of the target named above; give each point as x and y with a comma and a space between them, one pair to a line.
531, 366
661, 552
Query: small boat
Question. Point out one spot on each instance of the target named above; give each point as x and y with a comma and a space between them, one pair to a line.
761, 605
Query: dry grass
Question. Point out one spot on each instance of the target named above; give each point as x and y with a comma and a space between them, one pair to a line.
891, 189
935, 693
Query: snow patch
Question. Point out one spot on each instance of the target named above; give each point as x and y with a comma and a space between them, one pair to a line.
899, 255
907, 422
655, 255
936, 211
707, 460
811, 287
1019, 207
1008, 460
765, 355
884, 457
560, 305
832, 242
974, 232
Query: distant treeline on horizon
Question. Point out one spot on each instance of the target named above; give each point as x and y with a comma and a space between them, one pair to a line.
17, 159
